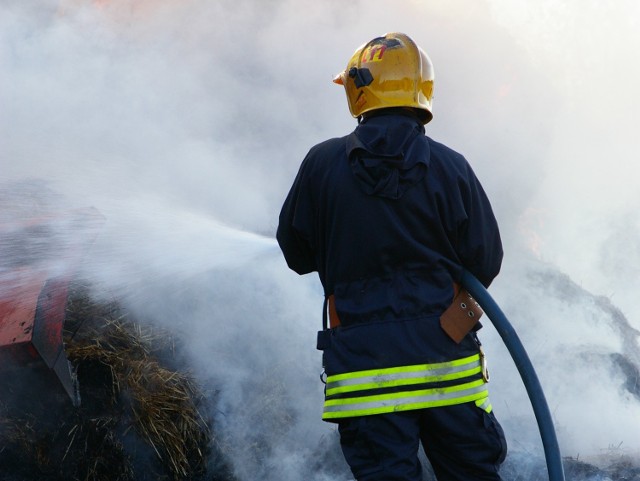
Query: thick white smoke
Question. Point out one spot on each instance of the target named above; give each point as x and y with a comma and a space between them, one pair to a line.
184, 123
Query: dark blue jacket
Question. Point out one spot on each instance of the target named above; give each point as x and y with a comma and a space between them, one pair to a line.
389, 218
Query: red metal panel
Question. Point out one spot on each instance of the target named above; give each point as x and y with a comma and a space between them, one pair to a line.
34, 288
19, 293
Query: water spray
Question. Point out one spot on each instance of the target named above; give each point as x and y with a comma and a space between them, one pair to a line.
527, 372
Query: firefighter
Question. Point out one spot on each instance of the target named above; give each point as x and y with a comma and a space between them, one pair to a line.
389, 218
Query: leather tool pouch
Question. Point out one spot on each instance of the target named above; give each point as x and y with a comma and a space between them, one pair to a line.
461, 316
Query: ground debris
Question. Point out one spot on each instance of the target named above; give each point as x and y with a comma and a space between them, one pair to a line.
523, 466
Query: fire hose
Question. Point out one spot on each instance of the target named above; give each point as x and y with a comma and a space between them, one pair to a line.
527, 373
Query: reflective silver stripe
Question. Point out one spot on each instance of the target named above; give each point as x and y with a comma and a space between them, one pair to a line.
404, 401
403, 376
484, 404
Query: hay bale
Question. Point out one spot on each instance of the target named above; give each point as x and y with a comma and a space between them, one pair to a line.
142, 415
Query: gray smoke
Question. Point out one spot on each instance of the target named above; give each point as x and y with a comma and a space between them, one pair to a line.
183, 124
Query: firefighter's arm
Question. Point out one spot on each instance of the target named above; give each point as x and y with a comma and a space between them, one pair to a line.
293, 234
480, 252
480, 246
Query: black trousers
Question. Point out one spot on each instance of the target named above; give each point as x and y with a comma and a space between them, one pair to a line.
462, 442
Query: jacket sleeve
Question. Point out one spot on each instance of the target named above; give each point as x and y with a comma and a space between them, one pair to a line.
480, 246
295, 226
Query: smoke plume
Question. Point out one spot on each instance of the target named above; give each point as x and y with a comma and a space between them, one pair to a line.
184, 123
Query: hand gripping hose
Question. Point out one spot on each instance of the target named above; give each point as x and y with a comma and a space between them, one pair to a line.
528, 374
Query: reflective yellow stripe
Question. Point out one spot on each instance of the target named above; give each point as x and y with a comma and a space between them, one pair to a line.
403, 376
395, 370
404, 379
484, 404
405, 401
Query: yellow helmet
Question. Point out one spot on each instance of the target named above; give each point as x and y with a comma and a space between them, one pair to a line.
388, 71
